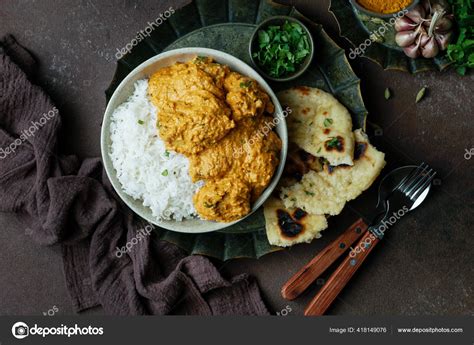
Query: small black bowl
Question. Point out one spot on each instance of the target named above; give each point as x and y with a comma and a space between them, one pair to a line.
280, 20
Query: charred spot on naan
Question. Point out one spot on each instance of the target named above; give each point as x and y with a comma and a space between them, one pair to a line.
288, 226
360, 149
359, 153
299, 162
336, 143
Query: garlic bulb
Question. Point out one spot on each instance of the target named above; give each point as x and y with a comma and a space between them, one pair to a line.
425, 30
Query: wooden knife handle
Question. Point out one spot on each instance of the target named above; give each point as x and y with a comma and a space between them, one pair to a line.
313, 269
328, 293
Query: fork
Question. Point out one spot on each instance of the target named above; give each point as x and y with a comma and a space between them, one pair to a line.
411, 190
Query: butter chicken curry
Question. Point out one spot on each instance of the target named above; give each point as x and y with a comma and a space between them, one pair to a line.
222, 121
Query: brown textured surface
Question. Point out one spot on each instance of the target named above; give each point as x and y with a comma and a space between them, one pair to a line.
431, 273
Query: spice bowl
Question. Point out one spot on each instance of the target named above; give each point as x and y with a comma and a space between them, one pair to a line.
254, 47
355, 4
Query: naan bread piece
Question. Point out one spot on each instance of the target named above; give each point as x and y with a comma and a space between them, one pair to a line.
327, 191
286, 227
319, 124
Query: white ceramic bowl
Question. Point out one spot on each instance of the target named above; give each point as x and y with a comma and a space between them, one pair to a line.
125, 89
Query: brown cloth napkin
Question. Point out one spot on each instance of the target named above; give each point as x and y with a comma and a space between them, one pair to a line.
68, 202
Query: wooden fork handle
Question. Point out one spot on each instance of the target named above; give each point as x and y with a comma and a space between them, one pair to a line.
328, 293
313, 269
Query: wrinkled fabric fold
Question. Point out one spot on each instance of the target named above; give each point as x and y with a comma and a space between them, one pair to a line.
68, 202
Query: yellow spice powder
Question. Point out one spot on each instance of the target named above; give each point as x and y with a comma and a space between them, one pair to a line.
384, 6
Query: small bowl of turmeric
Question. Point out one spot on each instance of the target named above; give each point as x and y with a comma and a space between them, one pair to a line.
383, 8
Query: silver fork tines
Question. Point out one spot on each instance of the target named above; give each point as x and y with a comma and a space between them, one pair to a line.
426, 183
413, 175
417, 181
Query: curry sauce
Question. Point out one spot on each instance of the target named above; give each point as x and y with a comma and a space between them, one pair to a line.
221, 120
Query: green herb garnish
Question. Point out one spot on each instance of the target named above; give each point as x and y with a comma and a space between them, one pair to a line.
309, 193
200, 58
282, 48
334, 142
167, 153
141, 122
245, 84
462, 51
327, 122
165, 172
